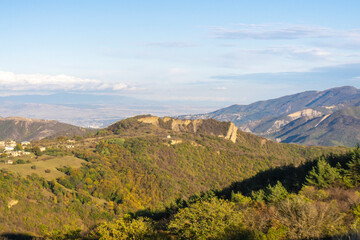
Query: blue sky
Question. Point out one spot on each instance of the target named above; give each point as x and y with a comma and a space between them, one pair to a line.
223, 51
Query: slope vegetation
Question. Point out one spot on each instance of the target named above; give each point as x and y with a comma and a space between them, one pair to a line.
144, 165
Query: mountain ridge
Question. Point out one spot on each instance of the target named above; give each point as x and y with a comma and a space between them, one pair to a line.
266, 118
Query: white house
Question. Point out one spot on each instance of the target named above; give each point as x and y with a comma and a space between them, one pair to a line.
15, 153
9, 148
11, 143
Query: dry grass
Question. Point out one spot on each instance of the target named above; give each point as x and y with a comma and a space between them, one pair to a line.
50, 163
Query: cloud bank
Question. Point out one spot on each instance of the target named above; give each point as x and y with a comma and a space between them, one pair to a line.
40, 82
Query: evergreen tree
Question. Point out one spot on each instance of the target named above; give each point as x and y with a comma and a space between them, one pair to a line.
322, 175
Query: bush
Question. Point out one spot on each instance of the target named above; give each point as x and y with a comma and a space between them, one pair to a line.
124, 228
214, 219
306, 219
20, 161
33, 167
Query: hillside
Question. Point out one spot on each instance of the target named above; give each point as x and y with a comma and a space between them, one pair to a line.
339, 128
136, 165
274, 118
20, 129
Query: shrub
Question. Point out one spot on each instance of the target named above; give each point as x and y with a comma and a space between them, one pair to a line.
20, 161
214, 219
124, 228
306, 219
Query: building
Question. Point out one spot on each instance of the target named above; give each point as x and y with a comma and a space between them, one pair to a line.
11, 143
9, 161
25, 143
9, 148
42, 149
15, 153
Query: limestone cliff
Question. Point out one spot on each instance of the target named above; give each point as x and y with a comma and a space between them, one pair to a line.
225, 130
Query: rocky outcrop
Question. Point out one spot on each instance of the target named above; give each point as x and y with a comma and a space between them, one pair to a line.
150, 119
309, 113
232, 133
12, 203
226, 130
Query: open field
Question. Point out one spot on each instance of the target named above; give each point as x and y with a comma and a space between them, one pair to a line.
42, 165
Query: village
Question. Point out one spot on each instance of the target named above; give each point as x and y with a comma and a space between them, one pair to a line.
11, 149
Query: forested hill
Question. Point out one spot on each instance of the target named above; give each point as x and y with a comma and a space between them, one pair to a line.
138, 164
20, 129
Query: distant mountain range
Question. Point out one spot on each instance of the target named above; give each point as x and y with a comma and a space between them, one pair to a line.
94, 110
20, 129
330, 117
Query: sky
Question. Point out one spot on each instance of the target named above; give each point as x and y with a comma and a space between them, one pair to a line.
229, 51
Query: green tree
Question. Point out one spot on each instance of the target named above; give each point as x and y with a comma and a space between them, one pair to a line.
18, 147
36, 150
354, 166
322, 175
276, 193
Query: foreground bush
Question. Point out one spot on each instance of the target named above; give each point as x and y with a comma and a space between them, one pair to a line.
124, 228
214, 219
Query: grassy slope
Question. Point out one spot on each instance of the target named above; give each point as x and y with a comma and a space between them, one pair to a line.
43, 164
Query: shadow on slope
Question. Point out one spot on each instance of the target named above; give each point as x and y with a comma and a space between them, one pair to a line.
291, 177
18, 236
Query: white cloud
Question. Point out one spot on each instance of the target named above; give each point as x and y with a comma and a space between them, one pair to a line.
296, 52
171, 44
220, 88
281, 31
40, 82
